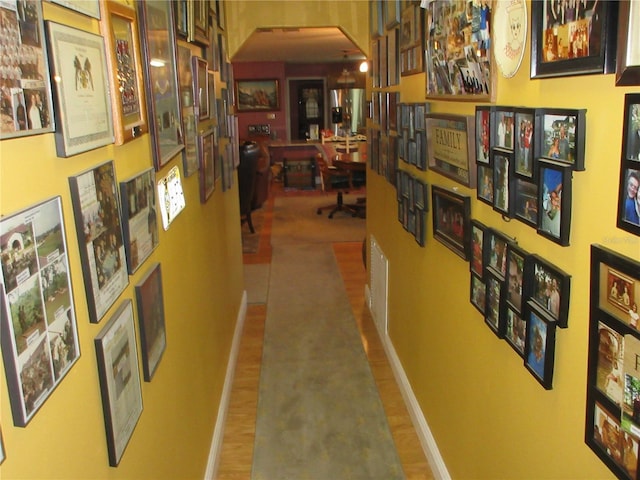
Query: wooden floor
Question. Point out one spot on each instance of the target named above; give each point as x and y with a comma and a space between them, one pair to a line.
237, 446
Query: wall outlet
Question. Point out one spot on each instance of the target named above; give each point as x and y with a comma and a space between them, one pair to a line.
271, 116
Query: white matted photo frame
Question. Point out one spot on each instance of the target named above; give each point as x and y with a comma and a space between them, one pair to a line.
28, 92
84, 119
38, 328
150, 303
97, 215
120, 386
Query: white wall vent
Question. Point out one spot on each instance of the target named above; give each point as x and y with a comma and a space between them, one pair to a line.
379, 286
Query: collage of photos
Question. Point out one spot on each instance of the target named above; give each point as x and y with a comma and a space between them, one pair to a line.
413, 204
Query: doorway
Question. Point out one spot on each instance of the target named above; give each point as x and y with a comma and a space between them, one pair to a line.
306, 109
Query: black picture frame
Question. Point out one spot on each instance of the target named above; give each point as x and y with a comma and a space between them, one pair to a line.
503, 191
479, 250
515, 329
497, 247
628, 217
540, 345
484, 122
518, 265
560, 135
494, 304
420, 233
478, 293
452, 220
524, 145
503, 128
592, 55
525, 208
554, 201
207, 161
484, 190
627, 72
150, 306
549, 287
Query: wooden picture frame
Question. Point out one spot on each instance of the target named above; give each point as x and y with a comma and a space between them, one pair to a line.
257, 95
628, 217
120, 31
375, 18
539, 352
200, 87
31, 109
38, 328
181, 19
554, 201
83, 114
120, 386
452, 220
150, 306
411, 40
550, 288
198, 22
573, 41
628, 51
207, 159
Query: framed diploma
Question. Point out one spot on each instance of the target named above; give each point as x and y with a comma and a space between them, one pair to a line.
86, 7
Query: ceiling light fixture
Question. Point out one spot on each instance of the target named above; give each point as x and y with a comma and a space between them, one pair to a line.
364, 66
346, 78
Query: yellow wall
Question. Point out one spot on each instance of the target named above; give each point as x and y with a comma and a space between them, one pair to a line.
489, 416
201, 262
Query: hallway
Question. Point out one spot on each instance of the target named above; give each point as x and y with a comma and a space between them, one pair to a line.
237, 453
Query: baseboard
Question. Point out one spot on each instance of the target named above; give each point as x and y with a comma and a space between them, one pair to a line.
218, 431
427, 441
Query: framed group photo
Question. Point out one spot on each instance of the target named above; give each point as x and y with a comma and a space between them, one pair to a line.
629, 190
452, 220
563, 136
550, 289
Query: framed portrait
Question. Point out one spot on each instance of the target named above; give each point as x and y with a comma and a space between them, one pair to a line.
150, 303
120, 386
479, 253
540, 344
563, 136
629, 190
573, 38
451, 146
102, 253
484, 120
158, 42
484, 180
628, 51
140, 220
493, 316
526, 202
550, 288
200, 87
503, 191
452, 220
610, 363
91, 8
517, 271
515, 330
120, 31
257, 95
198, 22
27, 94
554, 201
83, 114
504, 131
524, 132
206, 156
478, 293
461, 66
38, 328
497, 246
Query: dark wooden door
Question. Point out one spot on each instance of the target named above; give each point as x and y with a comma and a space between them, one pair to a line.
308, 120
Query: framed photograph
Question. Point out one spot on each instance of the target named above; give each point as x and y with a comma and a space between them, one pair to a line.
27, 92
554, 201
140, 222
158, 43
170, 196
90, 8
83, 110
38, 328
517, 272
484, 121
198, 21
392, 13
494, 303
3, 455
120, 386
185, 81
526, 202
149, 300
411, 40
420, 233
180, 18
206, 156
257, 95
120, 31
503, 193
220, 13
524, 142
102, 253
631, 129
540, 344
458, 44
479, 253
504, 131
563, 136
200, 87
628, 51
550, 288
451, 146
484, 178
573, 38
393, 55
376, 17
515, 330
629, 191
452, 220
478, 293
497, 246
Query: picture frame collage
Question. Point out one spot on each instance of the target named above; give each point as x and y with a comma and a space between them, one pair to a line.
383, 137
525, 162
412, 134
413, 204
522, 297
612, 420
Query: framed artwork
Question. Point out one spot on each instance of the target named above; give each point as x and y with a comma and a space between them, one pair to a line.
180, 18
120, 386
120, 31
563, 136
573, 38
198, 21
451, 146
257, 95
384, 64
38, 328
83, 114
517, 272
629, 187
200, 87
140, 221
158, 43
503, 191
461, 65
479, 253
206, 155
550, 288
102, 253
613, 379
628, 51
484, 121
515, 330
509, 35
90, 8
554, 201
494, 303
540, 345
185, 81
484, 180
526, 202
149, 300
27, 95
497, 247
524, 126
452, 220
478, 293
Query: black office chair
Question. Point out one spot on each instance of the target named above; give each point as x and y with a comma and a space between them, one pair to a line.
247, 173
340, 181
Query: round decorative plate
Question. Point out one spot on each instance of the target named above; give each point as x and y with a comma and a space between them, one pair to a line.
509, 35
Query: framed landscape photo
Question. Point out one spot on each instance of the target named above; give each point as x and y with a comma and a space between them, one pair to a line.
257, 95
452, 220
27, 94
140, 225
102, 253
554, 201
206, 155
83, 114
629, 190
550, 288
562, 136
120, 386
628, 51
120, 31
150, 302
573, 38
540, 345
38, 328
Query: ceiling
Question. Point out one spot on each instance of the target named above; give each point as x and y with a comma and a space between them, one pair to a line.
298, 45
